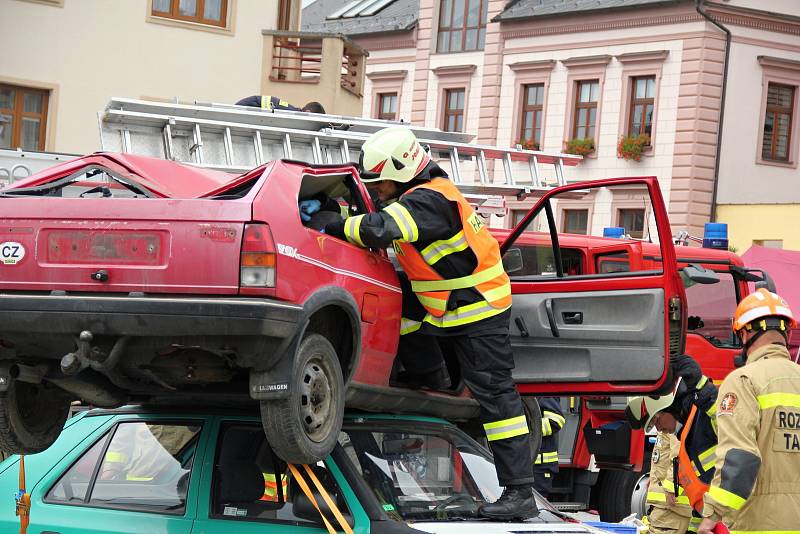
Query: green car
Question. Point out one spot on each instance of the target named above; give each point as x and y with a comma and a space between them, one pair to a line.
179, 472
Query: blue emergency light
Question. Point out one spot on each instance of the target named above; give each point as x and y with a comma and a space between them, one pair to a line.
715, 235
614, 231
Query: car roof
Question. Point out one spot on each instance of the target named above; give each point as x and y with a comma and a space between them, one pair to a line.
166, 178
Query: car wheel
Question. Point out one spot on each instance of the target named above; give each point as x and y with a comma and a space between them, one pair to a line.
31, 416
304, 427
617, 491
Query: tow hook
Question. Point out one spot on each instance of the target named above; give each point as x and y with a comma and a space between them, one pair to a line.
76, 361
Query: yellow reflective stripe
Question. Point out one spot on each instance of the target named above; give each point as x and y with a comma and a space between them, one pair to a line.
554, 416
546, 428
283, 103
506, 428
266, 101
771, 400
421, 286
671, 487
444, 247
408, 326
404, 220
116, 457
498, 293
432, 302
765, 531
352, 230
546, 458
712, 411
662, 497
705, 459
138, 479
465, 315
702, 382
726, 498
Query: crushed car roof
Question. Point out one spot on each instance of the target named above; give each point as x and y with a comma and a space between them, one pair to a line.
165, 178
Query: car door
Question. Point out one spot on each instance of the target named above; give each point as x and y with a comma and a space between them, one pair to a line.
597, 332
247, 489
136, 474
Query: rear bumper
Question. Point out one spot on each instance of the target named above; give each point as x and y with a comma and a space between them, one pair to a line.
31, 314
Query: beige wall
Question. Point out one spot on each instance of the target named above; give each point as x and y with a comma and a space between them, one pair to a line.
90, 50
743, 178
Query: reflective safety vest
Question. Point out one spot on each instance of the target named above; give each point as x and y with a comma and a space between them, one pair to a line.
271, 487
688, 476
433, 291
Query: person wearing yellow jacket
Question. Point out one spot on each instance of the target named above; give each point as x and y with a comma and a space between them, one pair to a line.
669, 512
755, 488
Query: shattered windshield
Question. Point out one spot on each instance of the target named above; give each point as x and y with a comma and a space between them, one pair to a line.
428, 474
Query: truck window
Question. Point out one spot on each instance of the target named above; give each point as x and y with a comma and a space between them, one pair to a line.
617, 262
711, 307
539, 260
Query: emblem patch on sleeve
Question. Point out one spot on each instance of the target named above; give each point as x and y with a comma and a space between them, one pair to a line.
656, 456
727, 404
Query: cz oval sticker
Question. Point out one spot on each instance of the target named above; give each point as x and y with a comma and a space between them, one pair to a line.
11, 253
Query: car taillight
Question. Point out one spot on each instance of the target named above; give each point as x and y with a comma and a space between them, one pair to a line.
257, 264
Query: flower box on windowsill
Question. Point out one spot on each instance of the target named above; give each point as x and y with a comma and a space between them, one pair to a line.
633, 147
580, 147
526, 144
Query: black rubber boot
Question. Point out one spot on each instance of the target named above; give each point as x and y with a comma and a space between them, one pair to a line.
438, 380
516, 502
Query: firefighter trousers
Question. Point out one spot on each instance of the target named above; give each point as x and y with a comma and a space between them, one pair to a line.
665, 520
485, 361
544, 479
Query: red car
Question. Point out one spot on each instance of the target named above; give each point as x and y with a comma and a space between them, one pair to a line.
130, 279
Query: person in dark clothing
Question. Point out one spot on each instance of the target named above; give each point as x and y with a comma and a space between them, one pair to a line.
693, 404
545, 465
454, 287
273, 102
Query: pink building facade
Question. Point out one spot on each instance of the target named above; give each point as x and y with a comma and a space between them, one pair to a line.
649, 72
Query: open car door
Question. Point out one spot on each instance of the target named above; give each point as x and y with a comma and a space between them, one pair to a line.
594, 330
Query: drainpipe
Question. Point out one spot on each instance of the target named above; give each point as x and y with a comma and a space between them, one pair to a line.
698, 4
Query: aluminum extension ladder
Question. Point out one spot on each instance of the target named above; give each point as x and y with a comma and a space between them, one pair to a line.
238, 138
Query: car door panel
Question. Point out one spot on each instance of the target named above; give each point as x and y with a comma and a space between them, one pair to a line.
610, 334
596, 332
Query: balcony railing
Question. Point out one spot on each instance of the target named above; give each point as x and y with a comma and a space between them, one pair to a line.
305, 57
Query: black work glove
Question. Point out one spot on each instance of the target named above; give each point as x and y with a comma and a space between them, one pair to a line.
688, 369
336, 229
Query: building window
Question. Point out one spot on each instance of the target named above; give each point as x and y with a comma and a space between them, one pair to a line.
210, 12
586, 109
454, 110
632, 221
24, 114
462, 25
643, 98
778, 122
531, 123
387, 106
575, 222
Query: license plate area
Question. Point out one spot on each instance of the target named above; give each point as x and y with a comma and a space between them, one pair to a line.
106, 247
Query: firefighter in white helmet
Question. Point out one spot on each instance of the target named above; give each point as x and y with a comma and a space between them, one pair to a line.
455, 290
755, 488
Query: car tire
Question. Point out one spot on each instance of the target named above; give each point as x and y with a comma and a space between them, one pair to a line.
617, 488
303, 428
31, 416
